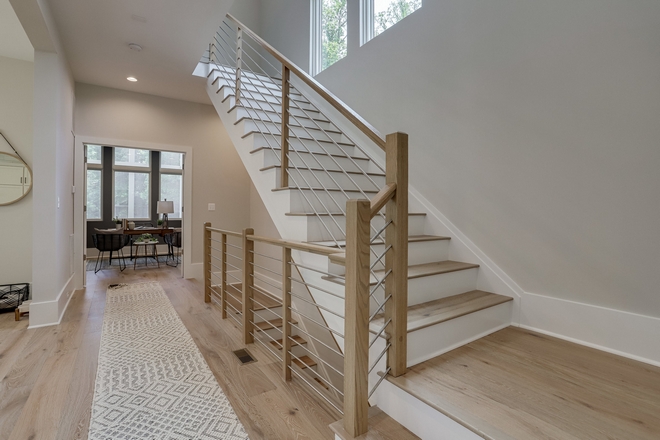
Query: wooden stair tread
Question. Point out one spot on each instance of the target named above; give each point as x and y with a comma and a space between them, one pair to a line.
325, 189
329, 171
322, 383
262, 299
317, 153
317, 119
444, 309
295, 97
304, 362
271, 324
292, 125
417, 270
519, 384
297, 340
411, 239
311, 214
381, 427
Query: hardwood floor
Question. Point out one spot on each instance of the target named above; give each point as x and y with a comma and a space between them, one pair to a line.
47, 375
518, 384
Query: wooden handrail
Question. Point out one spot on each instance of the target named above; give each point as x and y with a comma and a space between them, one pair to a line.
383, 196
296, 245
340, 106
223, 231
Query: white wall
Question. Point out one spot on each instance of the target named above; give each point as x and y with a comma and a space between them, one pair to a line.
16, 90
218, 174
52, 228
533, 128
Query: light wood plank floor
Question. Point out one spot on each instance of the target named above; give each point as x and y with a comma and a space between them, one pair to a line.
47, 375
518, 384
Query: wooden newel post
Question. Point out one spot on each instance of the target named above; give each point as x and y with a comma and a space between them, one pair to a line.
356, 342
284, 170
396, 260
223, 299
239, 63
286, 312
207, 262
248, 283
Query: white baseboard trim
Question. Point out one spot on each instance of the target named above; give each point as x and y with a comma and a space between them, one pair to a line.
622, 333
47, 313
196, 271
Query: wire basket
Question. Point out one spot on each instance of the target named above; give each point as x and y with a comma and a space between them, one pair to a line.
13, 295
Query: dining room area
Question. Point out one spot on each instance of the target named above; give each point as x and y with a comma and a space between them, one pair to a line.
133, 208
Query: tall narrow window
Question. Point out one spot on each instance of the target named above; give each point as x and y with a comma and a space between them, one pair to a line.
94, 189
171, 180
131, 183
329, 33
380, 15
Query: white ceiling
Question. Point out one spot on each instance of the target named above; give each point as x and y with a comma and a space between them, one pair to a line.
14, 42
172, 33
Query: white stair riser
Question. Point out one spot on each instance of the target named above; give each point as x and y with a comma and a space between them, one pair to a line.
263, 139
250, 125
419, 252
435, 340
309, 160
330, 180
264, 106
247, 77
321, 230
429, 288
265, 102
321, 201
422, 420
276, 118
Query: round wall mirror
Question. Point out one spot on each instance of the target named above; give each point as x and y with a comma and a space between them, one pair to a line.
15, 179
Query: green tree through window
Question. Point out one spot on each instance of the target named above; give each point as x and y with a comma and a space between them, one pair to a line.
334, 31
396, 11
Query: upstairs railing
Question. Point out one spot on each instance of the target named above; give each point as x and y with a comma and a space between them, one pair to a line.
375, 251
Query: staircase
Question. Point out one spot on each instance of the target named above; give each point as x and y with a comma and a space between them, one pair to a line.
324, 168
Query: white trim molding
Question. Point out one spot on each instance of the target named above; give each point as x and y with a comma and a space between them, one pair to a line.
622, 333
46, 313
81, 140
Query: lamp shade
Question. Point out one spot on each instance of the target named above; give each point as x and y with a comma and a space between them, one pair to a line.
165, 207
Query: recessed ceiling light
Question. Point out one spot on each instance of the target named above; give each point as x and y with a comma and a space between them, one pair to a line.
132, 79
135, 47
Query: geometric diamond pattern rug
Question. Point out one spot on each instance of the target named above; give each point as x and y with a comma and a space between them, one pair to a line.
152, 381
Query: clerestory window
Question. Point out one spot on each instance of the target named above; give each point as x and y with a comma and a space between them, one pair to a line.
380, 15
329, 26
329, 33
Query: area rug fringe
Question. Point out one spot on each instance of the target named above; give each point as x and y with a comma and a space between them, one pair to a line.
152, 381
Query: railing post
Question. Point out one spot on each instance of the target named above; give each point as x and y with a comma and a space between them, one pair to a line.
356, 345
396, 260
248, 284
284, 171
223, 303
286, 312
239, 63
207, 262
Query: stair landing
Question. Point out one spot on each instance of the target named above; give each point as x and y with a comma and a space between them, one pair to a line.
519, 384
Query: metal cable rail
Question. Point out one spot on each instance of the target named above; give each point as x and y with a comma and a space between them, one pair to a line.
327, 170
339, 187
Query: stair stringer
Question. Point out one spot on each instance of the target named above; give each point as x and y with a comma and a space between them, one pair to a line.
277, 204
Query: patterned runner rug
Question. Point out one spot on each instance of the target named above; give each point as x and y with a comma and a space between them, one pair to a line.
152, 382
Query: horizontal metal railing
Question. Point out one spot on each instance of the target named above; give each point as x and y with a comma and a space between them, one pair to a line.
329, 171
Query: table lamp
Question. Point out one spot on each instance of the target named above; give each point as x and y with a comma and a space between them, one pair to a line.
165, 207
